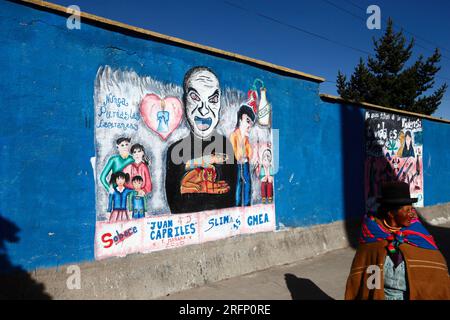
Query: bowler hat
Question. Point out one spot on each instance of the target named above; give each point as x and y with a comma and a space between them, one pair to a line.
395, 193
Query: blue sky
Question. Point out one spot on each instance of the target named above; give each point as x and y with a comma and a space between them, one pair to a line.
268, 30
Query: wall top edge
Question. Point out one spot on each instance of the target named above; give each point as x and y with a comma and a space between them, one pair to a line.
172, 40
337, 99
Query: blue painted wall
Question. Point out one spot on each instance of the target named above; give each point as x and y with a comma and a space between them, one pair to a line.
436, 162
47, 202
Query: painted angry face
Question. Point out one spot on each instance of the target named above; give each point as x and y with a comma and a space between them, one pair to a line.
202, 101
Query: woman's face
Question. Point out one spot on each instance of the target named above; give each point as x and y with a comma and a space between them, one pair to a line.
404, 216
138, 155
408, 141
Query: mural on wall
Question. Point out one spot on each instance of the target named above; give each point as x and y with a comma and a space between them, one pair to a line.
179, 164
394, 152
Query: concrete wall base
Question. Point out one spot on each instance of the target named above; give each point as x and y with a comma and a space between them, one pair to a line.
152, 275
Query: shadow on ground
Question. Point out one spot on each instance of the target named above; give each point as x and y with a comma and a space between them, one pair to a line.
304, 289
15, 282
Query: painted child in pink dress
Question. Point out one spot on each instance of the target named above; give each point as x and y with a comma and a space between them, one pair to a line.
139, 168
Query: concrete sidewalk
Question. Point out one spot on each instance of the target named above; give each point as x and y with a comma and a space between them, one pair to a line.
322, 277
318, 278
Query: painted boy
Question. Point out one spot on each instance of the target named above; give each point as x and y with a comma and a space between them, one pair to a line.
117, 162
137, 199
243, 153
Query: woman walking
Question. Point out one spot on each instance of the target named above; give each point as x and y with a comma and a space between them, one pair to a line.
397, 258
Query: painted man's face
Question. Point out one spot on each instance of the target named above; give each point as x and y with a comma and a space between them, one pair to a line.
245, 125
202, 102
124, 148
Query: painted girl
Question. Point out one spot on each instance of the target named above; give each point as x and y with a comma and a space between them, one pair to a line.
118, 199
266, 176
139, 168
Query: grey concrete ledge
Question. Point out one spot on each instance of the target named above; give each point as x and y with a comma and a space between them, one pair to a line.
153, 275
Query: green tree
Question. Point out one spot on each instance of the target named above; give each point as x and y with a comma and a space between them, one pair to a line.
386, 80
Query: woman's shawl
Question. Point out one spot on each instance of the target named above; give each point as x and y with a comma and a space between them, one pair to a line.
415, 234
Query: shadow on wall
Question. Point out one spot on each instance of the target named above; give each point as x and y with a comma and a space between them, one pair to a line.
15, 282
304, 289
353, 158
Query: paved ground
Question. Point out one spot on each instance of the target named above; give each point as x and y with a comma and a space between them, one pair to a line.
321, 277
317, 278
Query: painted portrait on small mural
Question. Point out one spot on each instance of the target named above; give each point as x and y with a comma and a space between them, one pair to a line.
394, 152
179, 163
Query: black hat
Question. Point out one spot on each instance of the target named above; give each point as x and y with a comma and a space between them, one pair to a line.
395, 193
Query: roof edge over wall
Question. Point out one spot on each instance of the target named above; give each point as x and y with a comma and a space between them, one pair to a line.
173, 40
336, 99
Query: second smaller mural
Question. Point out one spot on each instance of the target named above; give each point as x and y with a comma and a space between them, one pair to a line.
394, 150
